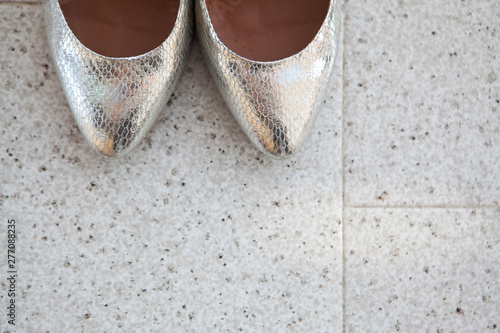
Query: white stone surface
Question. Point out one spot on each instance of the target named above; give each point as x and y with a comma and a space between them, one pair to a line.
197, 231
422, 270
422, 103
193, 231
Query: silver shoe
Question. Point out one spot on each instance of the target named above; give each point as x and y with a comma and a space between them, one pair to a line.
275, 102
116, 100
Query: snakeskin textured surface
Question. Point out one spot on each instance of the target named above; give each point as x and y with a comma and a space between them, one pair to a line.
115, 101
274, 102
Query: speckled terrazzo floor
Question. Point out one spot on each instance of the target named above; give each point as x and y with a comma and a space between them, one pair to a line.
387, 220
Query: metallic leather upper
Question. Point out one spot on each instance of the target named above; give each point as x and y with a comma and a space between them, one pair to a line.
274, 102
115, 101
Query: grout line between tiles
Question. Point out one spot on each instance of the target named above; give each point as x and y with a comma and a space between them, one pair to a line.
425, 207
343, 171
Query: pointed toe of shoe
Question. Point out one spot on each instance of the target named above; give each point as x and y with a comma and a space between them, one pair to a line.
275, 103
113, 132
278, 127
116, 102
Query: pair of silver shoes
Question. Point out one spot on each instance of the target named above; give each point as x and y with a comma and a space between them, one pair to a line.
116, 100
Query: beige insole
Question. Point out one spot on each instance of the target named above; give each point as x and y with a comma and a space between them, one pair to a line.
121, 28
267, 30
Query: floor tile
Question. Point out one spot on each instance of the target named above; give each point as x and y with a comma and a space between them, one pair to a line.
425, 270
193, 231
422, 103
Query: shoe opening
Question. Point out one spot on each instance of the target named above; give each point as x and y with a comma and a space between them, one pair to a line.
121, 28
267, 30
